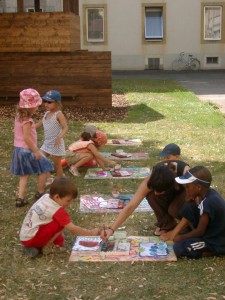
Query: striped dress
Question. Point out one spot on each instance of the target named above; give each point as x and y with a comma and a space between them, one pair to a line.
52, 129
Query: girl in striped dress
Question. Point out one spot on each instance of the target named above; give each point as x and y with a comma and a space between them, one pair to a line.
55, 128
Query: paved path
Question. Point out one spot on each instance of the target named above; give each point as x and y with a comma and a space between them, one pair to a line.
207, 85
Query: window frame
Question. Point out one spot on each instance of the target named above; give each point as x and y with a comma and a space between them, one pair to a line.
100, 10
86, 39
159, 39
151, 10
208, 38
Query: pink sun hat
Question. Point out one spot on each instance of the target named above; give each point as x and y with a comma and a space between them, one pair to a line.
29, 98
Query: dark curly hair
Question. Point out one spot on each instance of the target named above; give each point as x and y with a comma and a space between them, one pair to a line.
162, 177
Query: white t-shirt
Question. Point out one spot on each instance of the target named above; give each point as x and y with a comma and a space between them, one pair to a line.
42, 212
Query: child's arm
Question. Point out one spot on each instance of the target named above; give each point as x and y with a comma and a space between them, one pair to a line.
62, 120
39, 124
139, 195
196, 232
77, 230
28, 141
100, 158
169, 236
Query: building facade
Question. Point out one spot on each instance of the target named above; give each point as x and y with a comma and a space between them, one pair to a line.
146, 34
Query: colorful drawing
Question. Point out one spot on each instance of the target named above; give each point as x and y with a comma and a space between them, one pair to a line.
126, 156
108, 204
153, 249
120, 248
124, 142
135, 247
87, 243
123, 173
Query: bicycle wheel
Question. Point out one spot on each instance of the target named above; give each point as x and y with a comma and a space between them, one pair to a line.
195, 64
178, 65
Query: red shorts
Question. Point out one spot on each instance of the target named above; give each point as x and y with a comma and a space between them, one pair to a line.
44, 234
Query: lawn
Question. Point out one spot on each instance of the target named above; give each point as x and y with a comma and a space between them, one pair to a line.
159, 112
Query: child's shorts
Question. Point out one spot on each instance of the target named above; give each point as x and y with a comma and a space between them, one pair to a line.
24, 162
72, 157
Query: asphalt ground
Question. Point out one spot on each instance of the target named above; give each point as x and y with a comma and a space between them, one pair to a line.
207, 85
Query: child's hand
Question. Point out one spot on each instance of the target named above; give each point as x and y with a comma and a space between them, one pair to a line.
38, 155
58, 142
95, 231
168, 236
105, 234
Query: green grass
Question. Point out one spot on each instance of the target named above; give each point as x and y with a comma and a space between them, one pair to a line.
160, 112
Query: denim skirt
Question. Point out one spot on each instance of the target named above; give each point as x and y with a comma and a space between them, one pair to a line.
25, 163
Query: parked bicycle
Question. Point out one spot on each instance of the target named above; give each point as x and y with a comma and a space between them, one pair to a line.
183, 63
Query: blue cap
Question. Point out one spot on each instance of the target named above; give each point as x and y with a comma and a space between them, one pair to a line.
52, 95
170, 149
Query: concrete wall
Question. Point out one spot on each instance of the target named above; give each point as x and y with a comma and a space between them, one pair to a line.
183, 32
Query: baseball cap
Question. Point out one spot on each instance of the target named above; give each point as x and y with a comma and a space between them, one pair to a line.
190, 178
29, 98
172, 148
89, 128
52, 95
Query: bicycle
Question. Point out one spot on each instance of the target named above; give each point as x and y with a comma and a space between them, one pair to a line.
183, 63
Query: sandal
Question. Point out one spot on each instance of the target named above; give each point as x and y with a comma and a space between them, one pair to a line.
74, 171
21, 202
38, 195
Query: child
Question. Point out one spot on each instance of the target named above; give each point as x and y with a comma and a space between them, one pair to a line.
55, 128
204, 213
84, 150
172, 152
160, 183
27, 159
43, 225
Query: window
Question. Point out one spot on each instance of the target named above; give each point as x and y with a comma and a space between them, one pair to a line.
212, 22
32, 9
153, 23
212, 60
95, 24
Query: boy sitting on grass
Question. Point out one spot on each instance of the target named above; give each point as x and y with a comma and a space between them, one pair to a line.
204, 213
43, 225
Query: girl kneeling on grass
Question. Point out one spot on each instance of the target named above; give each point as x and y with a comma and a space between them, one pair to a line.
43, 225
86, 149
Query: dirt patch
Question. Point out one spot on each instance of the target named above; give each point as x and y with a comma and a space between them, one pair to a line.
118, 111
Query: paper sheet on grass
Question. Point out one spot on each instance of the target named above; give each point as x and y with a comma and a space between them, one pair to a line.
107, 204
123, 173
124, 142
136, 252
126, 156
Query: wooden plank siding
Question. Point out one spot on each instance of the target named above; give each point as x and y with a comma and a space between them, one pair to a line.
42, 50
32, 32
83, 78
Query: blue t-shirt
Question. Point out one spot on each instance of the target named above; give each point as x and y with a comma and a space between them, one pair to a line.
214, 205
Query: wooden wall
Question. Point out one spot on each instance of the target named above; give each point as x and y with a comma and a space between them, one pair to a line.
84, 78
39, 32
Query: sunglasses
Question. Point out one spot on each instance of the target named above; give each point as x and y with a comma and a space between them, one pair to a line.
49, 102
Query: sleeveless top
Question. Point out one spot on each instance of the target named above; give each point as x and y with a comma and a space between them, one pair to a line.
80, 145
52, 129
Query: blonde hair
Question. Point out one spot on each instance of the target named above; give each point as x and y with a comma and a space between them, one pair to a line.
23, 113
